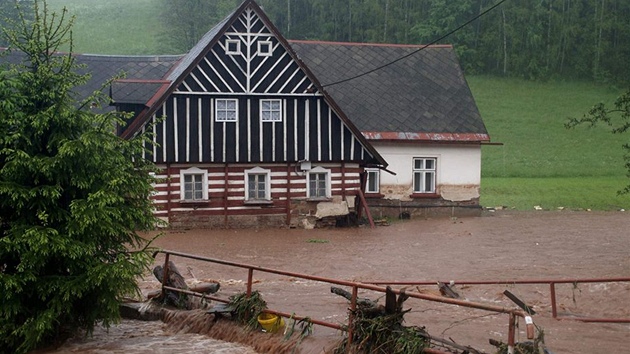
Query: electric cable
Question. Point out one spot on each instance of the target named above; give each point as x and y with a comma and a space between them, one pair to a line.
419, 49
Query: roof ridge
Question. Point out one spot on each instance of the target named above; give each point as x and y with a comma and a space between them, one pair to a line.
366, 44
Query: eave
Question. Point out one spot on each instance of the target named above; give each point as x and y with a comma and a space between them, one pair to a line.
427, 137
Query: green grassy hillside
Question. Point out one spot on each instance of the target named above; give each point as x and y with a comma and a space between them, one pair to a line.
113, 26
539, 163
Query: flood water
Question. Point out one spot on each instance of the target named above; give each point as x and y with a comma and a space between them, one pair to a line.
504, 246
148, 337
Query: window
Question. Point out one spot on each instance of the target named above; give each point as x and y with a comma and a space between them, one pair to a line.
193, 185
226, 110
265, 48
258, 184
233, 47
372, 181
271, 110
318, 183
424, 175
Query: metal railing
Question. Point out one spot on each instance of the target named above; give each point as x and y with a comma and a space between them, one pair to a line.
552, 291
512, 313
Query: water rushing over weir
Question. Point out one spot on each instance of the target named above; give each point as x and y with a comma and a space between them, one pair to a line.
154, 337
181, 332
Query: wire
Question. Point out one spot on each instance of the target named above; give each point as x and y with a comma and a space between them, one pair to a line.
419, 49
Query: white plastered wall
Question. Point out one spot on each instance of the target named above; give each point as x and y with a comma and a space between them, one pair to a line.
458, 169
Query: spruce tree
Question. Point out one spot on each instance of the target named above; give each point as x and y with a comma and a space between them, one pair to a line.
73, 195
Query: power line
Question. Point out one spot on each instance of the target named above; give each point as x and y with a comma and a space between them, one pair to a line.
419, 49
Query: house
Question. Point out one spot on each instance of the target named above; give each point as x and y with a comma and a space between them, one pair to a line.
252, 130
415, 107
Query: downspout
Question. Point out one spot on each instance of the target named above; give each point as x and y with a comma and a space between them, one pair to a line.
168, 192
343, 180
288, 221
225, 197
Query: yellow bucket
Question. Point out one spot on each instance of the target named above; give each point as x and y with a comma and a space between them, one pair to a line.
270, 322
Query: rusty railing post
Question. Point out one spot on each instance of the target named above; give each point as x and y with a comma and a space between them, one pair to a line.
353, 307
165, 273
511, 333
250, 279
552, 290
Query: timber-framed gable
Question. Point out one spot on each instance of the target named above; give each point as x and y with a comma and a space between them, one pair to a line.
243, 130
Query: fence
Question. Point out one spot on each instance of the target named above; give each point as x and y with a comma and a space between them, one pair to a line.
552, 292
513, 314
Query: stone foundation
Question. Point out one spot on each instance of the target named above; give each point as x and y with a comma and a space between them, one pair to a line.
190, 220
423, 208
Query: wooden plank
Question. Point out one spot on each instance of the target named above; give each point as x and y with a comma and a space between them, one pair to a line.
367, 209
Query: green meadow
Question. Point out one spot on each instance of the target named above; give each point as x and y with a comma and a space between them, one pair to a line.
539, 162
129, 27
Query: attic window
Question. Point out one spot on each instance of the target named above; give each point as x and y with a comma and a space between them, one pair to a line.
226, 110
265, 48
233, 47
271, 110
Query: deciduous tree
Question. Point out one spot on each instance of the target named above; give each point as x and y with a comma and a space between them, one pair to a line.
72, 196
186, 21
617, 118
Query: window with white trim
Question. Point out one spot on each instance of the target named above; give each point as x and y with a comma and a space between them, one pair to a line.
257, 184
373, 180
226, 110
424, 169
265, 48
193, 184
318, 183
271, 110
233, 47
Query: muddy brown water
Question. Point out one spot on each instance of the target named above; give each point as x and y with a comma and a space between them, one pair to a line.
498, 246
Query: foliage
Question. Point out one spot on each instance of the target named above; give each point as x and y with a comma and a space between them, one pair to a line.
305, 329
537, 346
617, 118
186, 21
10, 11
384, 334
72, 196
247, 308
573, 39
563, 39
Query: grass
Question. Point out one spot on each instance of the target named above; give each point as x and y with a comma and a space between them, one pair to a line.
574, 193
113, 26
529, 117
539, 163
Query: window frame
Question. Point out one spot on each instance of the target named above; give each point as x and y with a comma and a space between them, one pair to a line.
263, 53
327, 180
422, 172
271, 110
193, 171
237, 51
369, 171
258, 171
225, 110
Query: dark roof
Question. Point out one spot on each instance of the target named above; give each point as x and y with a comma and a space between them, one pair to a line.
199, 48
422, 97
423, 94
142, 69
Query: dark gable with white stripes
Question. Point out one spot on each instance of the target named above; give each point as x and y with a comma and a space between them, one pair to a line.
246, 71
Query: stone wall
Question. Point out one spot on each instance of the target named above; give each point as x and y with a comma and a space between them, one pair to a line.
423, 208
